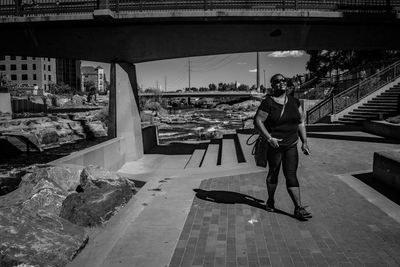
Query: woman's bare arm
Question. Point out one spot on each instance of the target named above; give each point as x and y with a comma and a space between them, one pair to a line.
259, 120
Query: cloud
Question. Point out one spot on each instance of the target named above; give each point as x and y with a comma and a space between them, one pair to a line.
242, 63
293, 53
253, 70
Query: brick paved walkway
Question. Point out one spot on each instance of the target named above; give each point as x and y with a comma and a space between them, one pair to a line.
346, 229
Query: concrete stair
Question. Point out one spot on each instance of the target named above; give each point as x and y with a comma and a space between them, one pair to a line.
229, 152
377, 108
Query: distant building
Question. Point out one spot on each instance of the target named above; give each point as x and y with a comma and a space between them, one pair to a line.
69, 72
90, 73
29, 71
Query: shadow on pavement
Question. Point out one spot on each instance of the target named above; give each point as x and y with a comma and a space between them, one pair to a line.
229, 197
353, 138
368, 179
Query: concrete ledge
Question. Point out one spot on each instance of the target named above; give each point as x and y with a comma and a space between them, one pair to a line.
382, 128
386, 168
107, 155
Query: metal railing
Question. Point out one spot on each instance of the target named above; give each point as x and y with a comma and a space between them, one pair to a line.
49, 7
337, 103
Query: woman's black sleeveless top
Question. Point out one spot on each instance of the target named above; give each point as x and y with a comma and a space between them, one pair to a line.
287, 126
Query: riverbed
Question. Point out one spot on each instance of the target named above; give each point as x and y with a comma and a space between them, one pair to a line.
200, 124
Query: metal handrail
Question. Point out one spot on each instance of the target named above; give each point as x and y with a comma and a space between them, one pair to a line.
37, 7
332, 103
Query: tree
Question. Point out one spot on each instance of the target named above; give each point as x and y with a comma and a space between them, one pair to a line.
212, 87
60, 89
89, 86
243, 87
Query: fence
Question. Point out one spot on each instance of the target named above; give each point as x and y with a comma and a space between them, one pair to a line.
48, 7
336, 103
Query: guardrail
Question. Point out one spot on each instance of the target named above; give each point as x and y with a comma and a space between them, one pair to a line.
336, 103
49, 7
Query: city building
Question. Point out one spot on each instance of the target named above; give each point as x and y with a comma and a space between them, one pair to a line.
34, 72
96, 75
68, 71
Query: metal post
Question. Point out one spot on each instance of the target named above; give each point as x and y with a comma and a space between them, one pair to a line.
333, 105
358, 92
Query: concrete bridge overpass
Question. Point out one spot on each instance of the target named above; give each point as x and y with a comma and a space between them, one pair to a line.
122, 37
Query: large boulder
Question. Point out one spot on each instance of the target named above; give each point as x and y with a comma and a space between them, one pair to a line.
43, 188
96, 129
31, 230
101, 194
36, 239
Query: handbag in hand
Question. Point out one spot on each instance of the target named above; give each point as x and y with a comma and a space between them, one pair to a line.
260, 151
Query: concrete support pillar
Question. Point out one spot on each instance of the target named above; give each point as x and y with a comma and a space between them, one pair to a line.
127, 117
112, 105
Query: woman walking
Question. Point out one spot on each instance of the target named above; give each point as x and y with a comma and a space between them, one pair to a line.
280, 122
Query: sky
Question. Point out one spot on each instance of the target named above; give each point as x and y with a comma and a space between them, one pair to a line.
228, 68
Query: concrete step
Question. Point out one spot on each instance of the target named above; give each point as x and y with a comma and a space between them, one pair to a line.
247, 149
196, 159
228, 156
350, 121
211, 157
362, 116
358, 112
376, 107
390, 93
386, 104
384, 100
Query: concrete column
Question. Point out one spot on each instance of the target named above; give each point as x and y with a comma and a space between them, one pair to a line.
128, 124
112, 105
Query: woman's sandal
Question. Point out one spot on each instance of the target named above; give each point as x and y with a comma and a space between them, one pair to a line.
270, 206
300, 213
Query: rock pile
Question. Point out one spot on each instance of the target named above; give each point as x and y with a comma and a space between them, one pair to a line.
51, 131
32, 228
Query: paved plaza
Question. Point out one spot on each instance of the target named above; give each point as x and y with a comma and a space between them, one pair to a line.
216, 217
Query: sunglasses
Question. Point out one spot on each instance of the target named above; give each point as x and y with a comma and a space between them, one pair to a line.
276, 81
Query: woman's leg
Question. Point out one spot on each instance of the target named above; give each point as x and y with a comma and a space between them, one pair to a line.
290, 162
274, 163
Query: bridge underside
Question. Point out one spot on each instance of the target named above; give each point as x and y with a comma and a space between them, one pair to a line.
148, 38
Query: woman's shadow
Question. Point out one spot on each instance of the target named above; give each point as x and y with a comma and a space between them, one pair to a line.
228, 197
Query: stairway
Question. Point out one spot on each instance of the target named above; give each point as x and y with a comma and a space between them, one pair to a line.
229, 152
376, 108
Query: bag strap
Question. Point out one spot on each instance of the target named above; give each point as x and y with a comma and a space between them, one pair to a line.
248, 140
284, 105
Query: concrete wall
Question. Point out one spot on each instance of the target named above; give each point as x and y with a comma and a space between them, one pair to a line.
128, 144
109, 154
382, 128
386, 168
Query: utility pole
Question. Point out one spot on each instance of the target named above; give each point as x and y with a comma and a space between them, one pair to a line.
189, 71
265, 83
258, 72
165, 83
